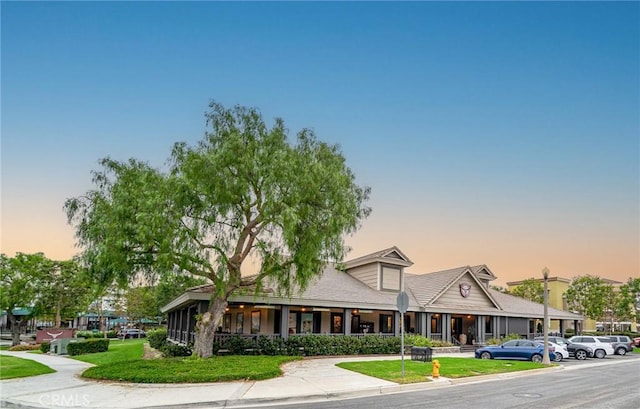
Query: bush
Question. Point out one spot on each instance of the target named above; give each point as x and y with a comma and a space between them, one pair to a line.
89, 334
171, 350
157, 339
29, 347
45, 347
88, 347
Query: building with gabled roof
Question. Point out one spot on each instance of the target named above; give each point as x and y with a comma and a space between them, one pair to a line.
456, 305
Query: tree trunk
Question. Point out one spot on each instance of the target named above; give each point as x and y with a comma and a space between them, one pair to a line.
207, 325
15, 328
58, 315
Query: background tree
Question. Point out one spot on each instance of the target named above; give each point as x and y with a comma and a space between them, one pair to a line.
22, 279
586, 296
627, 306
530, 289
172, 285
500, 288
243, 191
66, 291
141, 303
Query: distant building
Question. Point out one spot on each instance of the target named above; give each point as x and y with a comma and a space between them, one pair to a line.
558, 287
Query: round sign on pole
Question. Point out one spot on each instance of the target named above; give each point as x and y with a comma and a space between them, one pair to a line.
402, 302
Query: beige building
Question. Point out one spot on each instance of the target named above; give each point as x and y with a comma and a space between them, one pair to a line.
557, 287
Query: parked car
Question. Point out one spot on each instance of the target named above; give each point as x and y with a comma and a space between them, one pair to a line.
132, 333
621, 344
636, 342
553, 338
579, 351
560, 351
521, 349
601, 346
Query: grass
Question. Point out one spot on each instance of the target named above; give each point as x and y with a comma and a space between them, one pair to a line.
123, 362
119, 351
449, 368
12, 367
191, 370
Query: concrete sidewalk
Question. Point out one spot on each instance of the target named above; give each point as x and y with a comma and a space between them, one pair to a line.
316, 379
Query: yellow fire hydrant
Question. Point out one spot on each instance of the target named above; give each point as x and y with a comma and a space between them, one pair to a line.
436, 369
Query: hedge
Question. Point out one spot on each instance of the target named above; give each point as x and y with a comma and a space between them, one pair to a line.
45, 347
309, 345
24, 347
96, 334
88, 347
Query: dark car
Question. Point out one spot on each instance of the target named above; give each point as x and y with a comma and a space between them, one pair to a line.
621, 344
521, 349
132, 333
579, 351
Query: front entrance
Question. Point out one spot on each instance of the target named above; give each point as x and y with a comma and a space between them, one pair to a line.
463, 329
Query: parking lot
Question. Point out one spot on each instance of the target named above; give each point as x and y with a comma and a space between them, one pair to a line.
572, 361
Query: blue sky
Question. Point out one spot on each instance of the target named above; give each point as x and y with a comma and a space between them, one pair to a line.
500, 133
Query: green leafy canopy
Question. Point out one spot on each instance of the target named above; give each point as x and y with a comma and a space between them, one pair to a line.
244, 190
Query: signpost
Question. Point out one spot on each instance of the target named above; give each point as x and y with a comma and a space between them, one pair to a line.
402, 302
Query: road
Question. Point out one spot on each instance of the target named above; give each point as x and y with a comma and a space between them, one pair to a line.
597, 385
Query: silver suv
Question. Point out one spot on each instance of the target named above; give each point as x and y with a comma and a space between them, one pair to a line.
601, 346
621, 344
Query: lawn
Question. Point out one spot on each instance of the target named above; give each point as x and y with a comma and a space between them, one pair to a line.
123, 362
449, 368
12, 367
191, 370
119, 351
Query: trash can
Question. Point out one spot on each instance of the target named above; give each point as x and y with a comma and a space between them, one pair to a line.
421, 354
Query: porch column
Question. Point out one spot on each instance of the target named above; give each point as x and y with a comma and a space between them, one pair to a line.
496, 327
424, 324
561, 328
479, 336
346, 321
396, 323
428, 317
446, 327
284, 322
188, 321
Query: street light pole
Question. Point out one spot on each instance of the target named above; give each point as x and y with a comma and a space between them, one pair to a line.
545, 357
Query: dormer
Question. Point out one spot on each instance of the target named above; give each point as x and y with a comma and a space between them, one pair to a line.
483, 274
382, 270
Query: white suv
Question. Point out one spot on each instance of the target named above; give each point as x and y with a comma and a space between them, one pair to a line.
601, 346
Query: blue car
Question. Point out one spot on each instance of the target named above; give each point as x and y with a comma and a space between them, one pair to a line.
521, 349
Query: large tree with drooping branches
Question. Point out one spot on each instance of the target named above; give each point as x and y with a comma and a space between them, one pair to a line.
244, 191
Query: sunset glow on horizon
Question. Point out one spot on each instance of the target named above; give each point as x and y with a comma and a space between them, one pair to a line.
497, 133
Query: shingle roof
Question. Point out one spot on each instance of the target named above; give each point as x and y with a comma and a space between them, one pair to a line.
511, 303
336, 287
426, 287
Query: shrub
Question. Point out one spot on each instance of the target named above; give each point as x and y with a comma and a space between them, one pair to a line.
157, 339
45, 347
417, 340
88, 347
28, 347
112, 334
171, 350
89, 334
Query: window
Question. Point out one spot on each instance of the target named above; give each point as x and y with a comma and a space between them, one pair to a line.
436, 324
336, 323
487, 325
386, 323
255, 322
226, 324
239, 323
307, 323
390, 279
